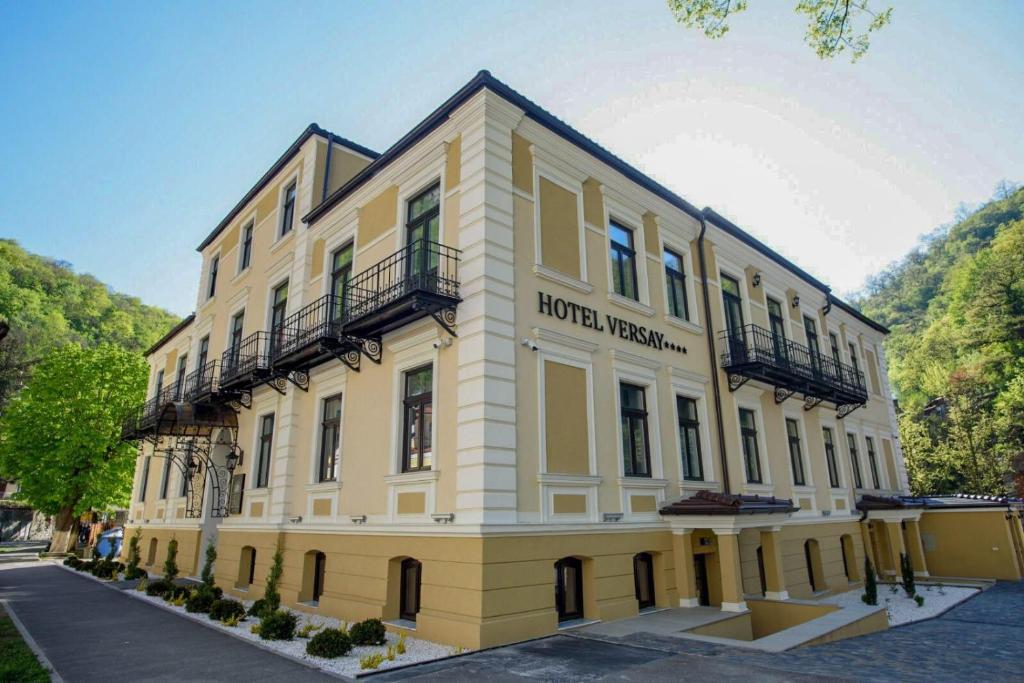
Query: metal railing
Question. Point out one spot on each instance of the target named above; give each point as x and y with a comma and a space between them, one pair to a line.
421, 266
309, 324
200, 382
752, 344
251, 355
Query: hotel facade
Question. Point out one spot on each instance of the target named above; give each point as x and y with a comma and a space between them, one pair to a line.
496, 381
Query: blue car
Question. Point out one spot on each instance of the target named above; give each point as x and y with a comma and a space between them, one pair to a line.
110, 538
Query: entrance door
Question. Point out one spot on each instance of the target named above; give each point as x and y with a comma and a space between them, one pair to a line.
643, 578
700, 575
569, 589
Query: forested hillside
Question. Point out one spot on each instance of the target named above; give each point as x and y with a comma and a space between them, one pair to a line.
46, 304
956, 354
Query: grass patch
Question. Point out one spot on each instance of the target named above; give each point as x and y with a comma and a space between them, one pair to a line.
17, 662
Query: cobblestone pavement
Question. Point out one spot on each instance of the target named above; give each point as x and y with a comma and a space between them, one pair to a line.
980, 639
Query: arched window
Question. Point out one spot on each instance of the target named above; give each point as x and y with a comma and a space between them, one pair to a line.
246, 567
314, 568
409, 603
849, 558
151, 556
569, 589
812, 556
643, 579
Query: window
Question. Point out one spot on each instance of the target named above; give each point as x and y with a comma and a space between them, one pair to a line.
854, 362
636, 455
675, 281
811, 330
330, 438
418, 409
184, 475
643, 580
179, 378
235, 343
288, 210
246, 255
315, 570
851, 441
204, 352
341, 271
795, 455
834, 344
751, 458
278, 307
412, 575
689, 438
165, 478
145, 480
246, 567
421, 228
778, 326
569, 589
830, 457
623, 256
733, 304
872, 461
265, 447
159, 383
212, 285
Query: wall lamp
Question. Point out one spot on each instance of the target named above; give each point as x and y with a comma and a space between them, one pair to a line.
296, 519
530, 344
358, 519
756, 280
796, 300
443, 517
612, 517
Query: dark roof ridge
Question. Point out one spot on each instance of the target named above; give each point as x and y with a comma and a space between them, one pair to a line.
310, 130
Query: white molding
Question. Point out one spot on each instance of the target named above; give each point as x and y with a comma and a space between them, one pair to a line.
545, 273
564, 340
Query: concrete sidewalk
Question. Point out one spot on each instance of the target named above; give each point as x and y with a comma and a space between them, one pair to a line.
92, 633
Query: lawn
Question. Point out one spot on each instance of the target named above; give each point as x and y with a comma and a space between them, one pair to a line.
17, 663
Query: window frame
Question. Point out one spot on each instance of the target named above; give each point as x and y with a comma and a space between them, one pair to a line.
324, 457
203, 356
631, 414
419, 402
671, 276
851, 447
752, 434
211, 276
628, 252
835, 479
869, 443
144, 479
245, 245
684, 423
334, 272
796, 460
286, 223
264, 450
407, 565
165, 478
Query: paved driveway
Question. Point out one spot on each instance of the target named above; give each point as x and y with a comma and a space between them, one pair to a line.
92, 633
981, 639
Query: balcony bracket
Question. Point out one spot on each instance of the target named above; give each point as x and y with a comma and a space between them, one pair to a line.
348, 354
445, 317
278, 383
847, 408
811, 402
370, 347
781, 394
737, 381
300, 378
245, 399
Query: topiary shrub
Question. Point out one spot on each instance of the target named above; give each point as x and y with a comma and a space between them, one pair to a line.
907, 572
368, 632
870, 596
211, 557
329, 643
278, 625
257, 608
171, 563
226, 608
159, 587
131, 567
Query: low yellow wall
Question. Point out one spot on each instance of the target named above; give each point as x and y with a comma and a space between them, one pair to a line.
189, 554
877, 621
739, 627
975, 544
772, 616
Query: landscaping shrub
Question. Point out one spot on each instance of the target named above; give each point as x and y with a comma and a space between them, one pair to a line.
86, 566
278, 625
131, 568
72, 562
271, 598
200, 599
134, 573
907, 571
329, 643
870, 596
919, 599
223, 609
178, 593
257, 608
371, 661
159, 587
171, 563
368, 632
105, 569
211, 557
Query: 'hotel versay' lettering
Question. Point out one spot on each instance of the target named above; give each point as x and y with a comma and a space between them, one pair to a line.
589, 317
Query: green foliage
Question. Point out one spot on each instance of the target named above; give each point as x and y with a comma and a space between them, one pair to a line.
833, 26
278, 625
131, 569
226, 608
159, 587
48, 306
956, 353
368, 632
907, 575
104, 569
17, 663
202, 597
60, 437
329, 643
870, 596
271, 598
258, 608
171, 563
919, 599
211, 557
308, 629
371, 661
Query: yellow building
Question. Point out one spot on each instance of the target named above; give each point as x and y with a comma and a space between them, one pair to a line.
478, 386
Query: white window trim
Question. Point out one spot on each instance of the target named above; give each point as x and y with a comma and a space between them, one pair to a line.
752, 404
697, 392
883, 476
291, 177
411, 358
241, 308
266, 407
327, 386
424, 180
648, 380
618, 209
843, 476
738, 274
268, 315
250, 219
780, 296
789, 413
669, 241
336, 243
571, 181
208, 277
859, 441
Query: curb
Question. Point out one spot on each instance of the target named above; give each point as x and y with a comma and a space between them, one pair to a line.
31, 642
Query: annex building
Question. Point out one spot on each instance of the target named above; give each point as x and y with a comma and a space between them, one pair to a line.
495, 380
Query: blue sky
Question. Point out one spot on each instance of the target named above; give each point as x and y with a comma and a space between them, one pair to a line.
129, 130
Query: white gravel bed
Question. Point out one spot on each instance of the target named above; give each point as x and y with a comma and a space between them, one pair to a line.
416, 650
903, 610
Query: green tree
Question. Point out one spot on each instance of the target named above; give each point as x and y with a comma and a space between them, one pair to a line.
833, 26
60, 437
171, 563
211, 557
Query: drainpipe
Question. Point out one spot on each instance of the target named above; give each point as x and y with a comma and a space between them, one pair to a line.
327, 167
714, 355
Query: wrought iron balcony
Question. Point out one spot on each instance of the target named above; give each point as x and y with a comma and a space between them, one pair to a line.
144, 419
420, 279
753, 352
246, 365
308, 337
201, 384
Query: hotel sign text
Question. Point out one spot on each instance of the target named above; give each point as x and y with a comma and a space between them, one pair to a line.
570, 311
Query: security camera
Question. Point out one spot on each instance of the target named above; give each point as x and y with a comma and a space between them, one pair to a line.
443, 343
530, 344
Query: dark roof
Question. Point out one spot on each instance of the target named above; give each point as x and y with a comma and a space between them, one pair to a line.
711, 503
311, 129
959, 500
170, 335
857, 314
484, 79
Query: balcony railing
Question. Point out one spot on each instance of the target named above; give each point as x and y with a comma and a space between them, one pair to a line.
247, 363
378, 299
201, 383
316, 322
754, 352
